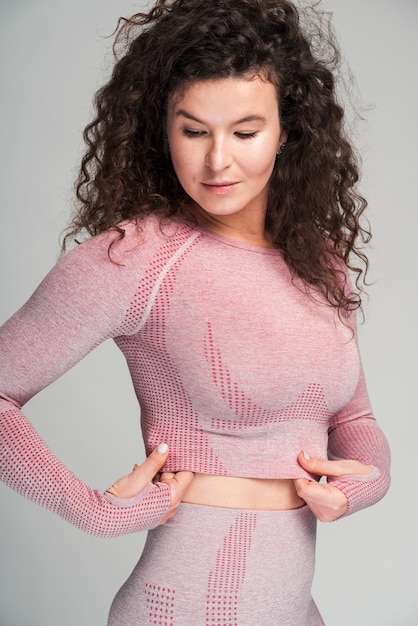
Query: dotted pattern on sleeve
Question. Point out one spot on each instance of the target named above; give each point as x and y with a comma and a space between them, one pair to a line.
32, 470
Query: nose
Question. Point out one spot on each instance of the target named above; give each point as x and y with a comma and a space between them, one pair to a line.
219, 155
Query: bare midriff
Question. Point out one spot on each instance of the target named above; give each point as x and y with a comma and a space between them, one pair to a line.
243, 493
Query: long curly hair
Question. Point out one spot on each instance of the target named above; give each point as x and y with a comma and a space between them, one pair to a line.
314, 210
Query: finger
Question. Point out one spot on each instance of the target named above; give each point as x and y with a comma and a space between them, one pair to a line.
301, 486
327, 503
325, 467
152, 464
178, 487
179, 482
165, 476
141, 475
184, 480
306, 488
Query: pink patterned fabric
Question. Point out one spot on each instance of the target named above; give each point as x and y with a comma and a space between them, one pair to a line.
212, 566
160, 604
29, 467
227, 575
234, 366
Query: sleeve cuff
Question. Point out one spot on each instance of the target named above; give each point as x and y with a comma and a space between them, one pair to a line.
127, 502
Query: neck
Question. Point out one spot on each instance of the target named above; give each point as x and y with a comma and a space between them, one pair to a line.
250, 231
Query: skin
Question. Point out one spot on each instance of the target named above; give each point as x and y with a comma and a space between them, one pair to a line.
223, 137
131, 484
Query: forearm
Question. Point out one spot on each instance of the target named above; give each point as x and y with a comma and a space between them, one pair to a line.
29, 467
361, 440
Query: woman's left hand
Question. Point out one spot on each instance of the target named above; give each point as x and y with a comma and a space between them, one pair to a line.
326, 502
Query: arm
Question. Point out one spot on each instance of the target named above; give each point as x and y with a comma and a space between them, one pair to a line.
358, 469
29, 467
81, 303
354, 434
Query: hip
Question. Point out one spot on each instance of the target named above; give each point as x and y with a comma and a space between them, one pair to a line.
212, 565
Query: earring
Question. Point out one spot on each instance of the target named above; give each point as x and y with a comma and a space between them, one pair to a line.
280, 150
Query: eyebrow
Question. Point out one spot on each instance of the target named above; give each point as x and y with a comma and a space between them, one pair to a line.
248, 118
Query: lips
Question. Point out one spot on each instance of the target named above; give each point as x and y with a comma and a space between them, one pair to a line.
220, 187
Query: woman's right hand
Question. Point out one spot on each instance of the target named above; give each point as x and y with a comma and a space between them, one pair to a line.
130, 485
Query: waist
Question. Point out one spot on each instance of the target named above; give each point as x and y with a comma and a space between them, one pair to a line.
243, 493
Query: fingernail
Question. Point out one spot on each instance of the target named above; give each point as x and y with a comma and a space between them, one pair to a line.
306, 456
162, 448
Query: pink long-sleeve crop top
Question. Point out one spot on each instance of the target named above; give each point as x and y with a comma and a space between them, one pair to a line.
234, 366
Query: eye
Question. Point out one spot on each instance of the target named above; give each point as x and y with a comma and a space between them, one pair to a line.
245, 135
193, 133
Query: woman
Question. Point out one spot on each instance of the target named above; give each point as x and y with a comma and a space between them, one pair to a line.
218, 190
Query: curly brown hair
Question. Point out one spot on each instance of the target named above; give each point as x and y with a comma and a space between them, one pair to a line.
314, 211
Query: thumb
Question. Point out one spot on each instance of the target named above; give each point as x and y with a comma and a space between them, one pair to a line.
141, 475
315, 465
153, 463
335, 468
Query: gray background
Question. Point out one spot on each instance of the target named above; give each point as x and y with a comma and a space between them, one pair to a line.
53, 58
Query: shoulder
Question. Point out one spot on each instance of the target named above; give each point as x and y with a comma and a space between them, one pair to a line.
115, 261
133, 244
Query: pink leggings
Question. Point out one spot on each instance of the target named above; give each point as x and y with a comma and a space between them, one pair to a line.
210, 566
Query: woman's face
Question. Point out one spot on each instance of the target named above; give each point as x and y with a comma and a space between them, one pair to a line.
223, 136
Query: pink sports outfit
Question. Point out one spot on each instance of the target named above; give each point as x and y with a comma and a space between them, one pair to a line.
235, 367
